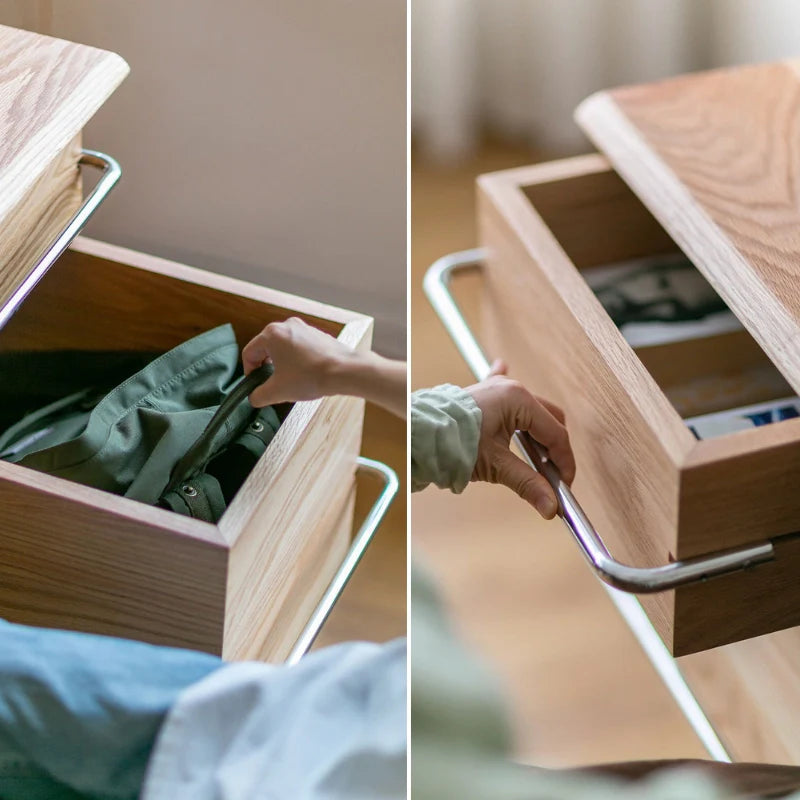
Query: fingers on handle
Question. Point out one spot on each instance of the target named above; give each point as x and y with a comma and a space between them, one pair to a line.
535, 417
499, 367
527, 483
255, 353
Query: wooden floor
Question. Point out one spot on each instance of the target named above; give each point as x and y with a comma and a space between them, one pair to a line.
580, 688
373, 606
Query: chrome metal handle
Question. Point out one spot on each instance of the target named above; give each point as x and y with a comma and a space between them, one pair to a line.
111, 174
351, 560
638, 580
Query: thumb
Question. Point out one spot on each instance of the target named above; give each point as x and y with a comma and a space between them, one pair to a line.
527, 483
499, 367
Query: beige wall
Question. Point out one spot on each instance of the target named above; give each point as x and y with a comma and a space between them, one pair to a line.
265, 139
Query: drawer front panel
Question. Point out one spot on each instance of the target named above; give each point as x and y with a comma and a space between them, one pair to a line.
76, 558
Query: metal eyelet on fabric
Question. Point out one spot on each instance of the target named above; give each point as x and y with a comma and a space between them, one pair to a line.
257, 426
189, 490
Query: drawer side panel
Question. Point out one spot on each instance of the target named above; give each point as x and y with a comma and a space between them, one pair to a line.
623, 465
318, 563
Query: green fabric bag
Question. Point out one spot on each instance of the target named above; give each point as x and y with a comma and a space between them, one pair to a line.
130, 439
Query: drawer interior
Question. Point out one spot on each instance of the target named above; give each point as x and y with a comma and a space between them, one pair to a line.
86, 302
716, 367
89, 303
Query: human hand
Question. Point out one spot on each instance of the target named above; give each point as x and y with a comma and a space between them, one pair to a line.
307, 362
310, 364
507, 406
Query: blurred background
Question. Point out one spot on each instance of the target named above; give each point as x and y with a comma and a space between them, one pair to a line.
267, 141
264, 140
494, 84
515, 69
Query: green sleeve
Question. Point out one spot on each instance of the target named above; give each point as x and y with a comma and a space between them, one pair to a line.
445, 428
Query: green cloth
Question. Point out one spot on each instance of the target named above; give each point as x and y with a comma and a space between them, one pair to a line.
129, 439
460, 734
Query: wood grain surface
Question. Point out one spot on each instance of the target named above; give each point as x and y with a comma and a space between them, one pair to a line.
285, 517
49, 89
653, 492
77, 558
40, 216
750, 692
307, 580
552, 328
373, 606
716, 157
281, 539
101, 296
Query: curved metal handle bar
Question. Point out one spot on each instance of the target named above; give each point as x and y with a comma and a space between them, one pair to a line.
111, 174
354, 554
637, 580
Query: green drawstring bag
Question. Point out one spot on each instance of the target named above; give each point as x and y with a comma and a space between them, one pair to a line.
178, 432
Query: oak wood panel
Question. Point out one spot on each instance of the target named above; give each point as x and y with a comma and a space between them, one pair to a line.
681, 368
316, 565
100, 296
716, 158
78, 558
750, 691
292, 499
625, 229
41, 215
740, 606
623, 426
610, 447
740, 488
49, 89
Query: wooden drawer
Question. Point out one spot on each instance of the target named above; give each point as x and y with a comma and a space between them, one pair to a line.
76, 557
652, 490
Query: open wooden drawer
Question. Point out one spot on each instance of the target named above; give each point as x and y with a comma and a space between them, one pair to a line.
76, 557
656, 494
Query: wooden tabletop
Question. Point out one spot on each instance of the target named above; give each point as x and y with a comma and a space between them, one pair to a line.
49, 89
716, 158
